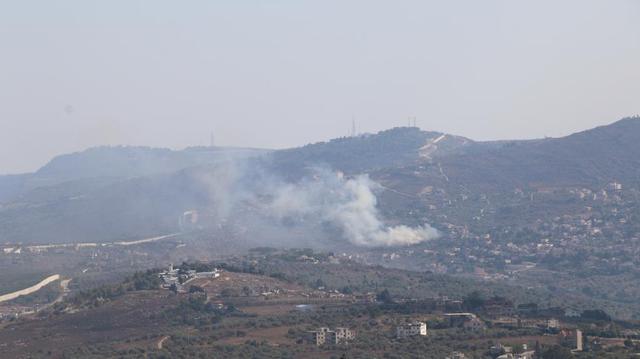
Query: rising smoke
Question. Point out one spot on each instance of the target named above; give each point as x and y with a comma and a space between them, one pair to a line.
348, 204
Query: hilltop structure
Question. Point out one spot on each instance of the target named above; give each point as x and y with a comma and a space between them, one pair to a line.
176, 278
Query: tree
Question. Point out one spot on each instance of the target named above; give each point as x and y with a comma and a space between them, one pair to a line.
320, 283
384, 297
196, 289
595, 314
474, 300
347, 290
556, 352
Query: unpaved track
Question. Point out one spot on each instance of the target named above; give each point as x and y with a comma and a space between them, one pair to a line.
44, 247
30, 290
161, 342
148, 240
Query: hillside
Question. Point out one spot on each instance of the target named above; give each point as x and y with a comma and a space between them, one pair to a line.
115, 193
258, 296
591, 158
387, 149
265, 304
560, 214
111, 164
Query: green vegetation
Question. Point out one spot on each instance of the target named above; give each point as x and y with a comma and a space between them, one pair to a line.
147, 280
12, 281
135, 316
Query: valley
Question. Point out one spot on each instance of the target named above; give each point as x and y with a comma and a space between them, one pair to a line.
319, 236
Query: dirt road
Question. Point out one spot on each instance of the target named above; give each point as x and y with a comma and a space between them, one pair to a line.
161, 342
30, 290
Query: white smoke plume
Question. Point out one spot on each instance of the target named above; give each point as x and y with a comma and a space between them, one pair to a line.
349, 204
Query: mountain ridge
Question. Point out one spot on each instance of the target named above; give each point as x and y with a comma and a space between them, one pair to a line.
405, 160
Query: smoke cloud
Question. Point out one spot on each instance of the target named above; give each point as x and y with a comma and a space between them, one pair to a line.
323, 198
350, 205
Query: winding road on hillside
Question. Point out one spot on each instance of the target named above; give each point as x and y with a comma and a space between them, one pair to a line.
30, 290
43, 247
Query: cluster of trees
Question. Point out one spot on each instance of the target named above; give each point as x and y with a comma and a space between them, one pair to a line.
196, 266
555, 352
146, 280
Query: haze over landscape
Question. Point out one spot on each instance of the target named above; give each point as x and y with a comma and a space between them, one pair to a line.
296, 179
77, 74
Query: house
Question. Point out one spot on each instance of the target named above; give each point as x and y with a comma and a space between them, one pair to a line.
340, 335
319, 337
571, 338
465, 320
325, 335
498, 306
411, 329
175, 277
500, 349
458, 319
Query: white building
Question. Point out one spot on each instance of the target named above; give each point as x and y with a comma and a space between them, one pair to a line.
212, 274
411, 329
174, 276
325, 335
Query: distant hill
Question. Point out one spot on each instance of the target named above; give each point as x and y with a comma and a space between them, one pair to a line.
130, 162
127, 192
102, 211
108, 193
116, 163
591, 158
387, 149
10, 185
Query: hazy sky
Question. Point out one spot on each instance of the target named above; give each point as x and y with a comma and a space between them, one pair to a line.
279, 73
